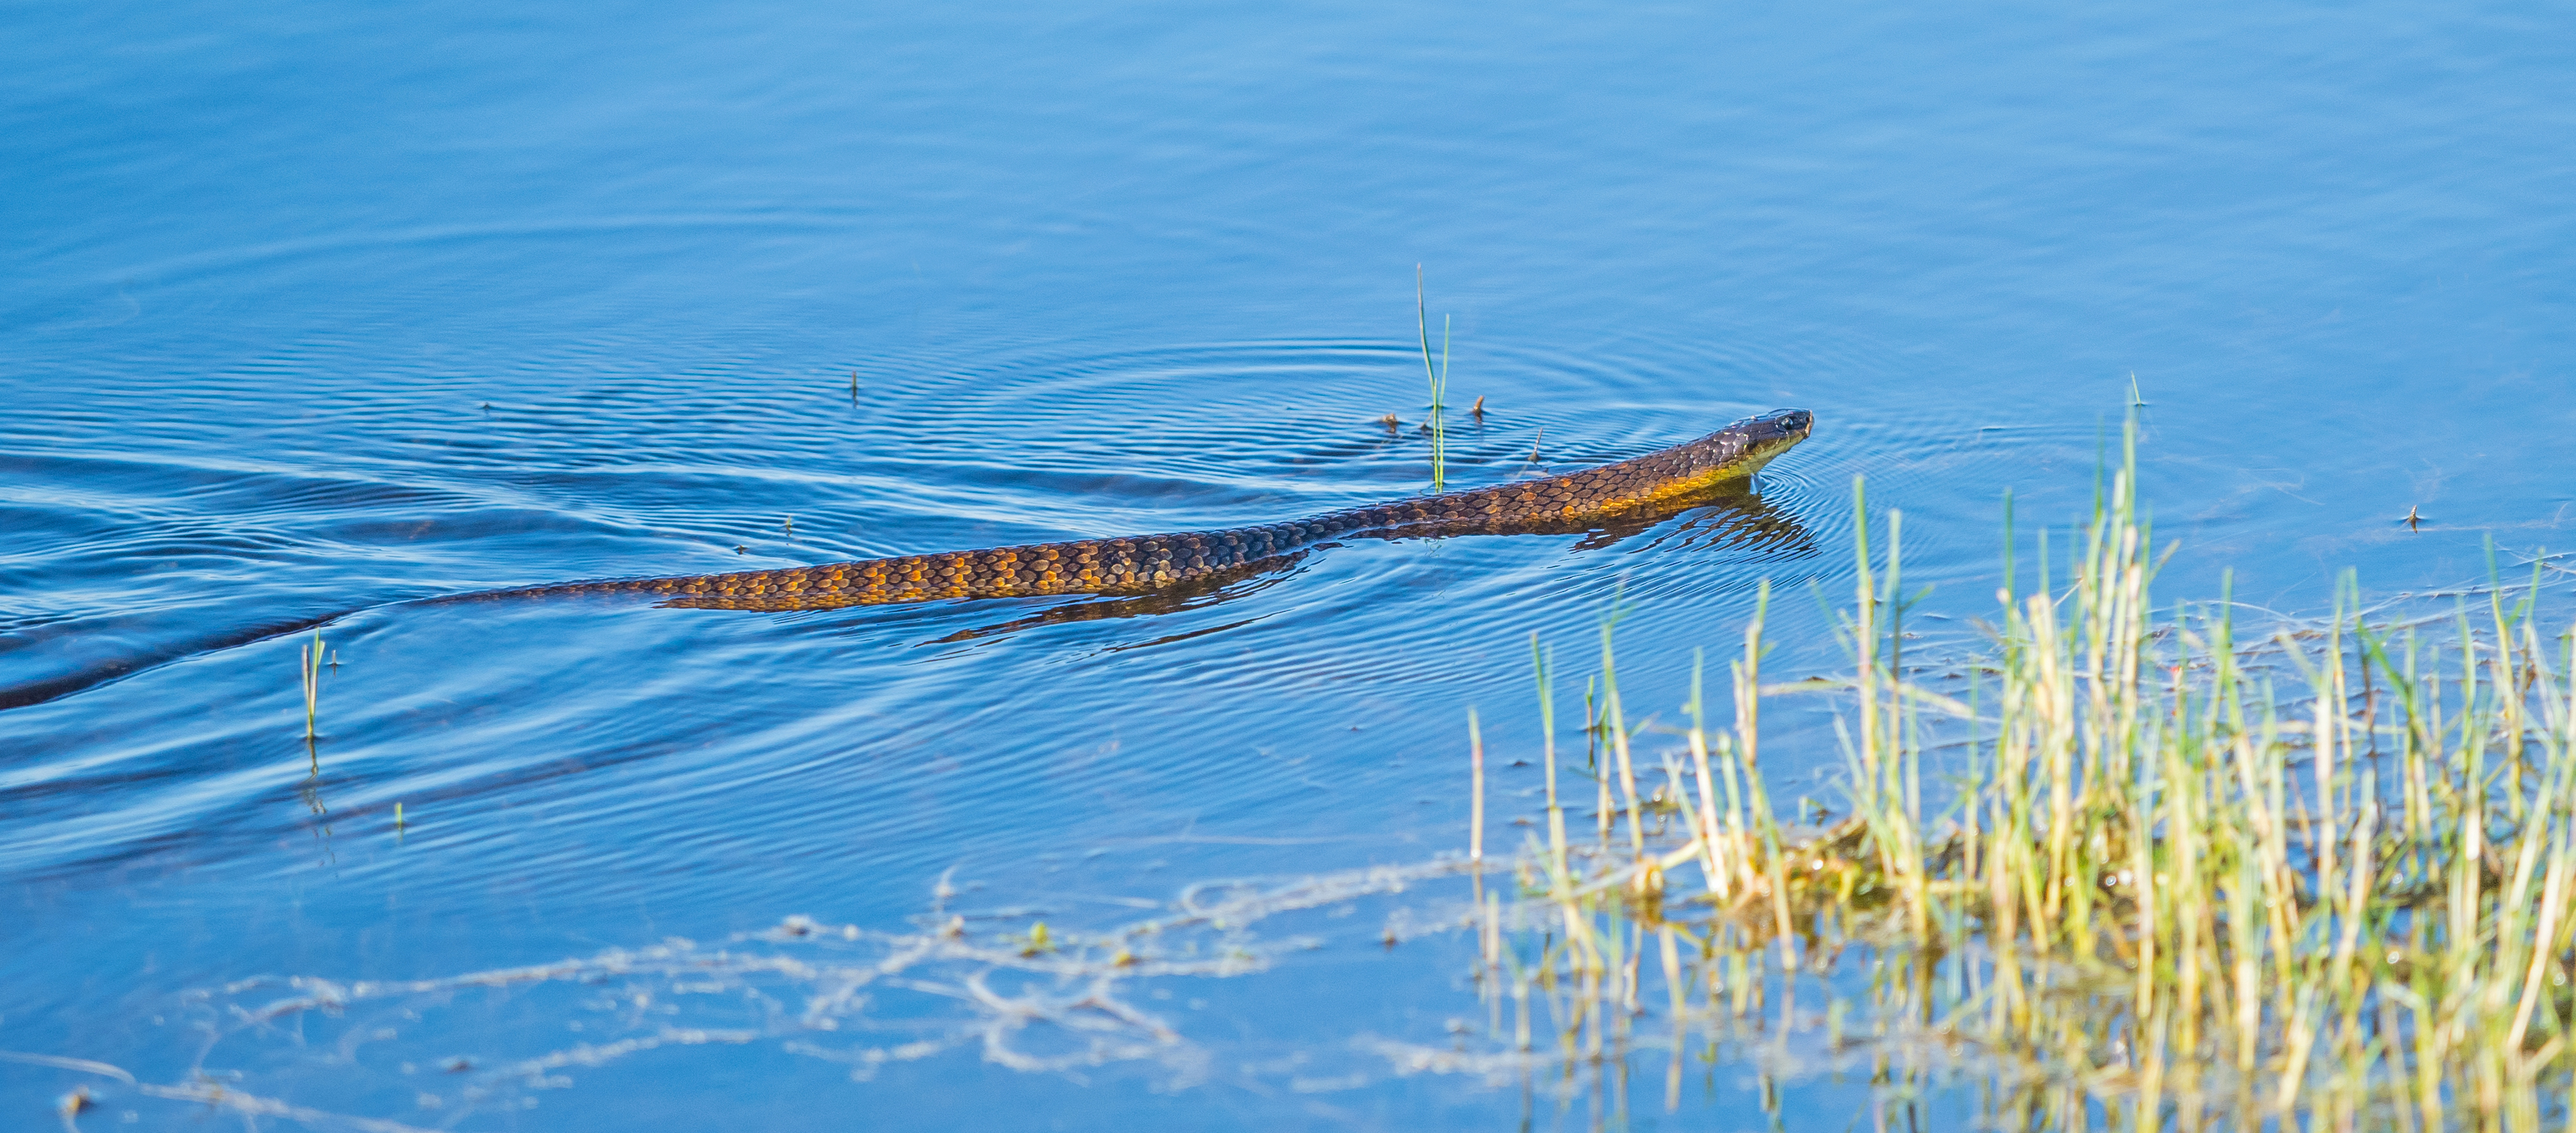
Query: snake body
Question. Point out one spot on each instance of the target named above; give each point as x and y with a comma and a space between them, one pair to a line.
1663, 481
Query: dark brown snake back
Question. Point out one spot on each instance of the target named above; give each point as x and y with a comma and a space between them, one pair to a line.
1151, 564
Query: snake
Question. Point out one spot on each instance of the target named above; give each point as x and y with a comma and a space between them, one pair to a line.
1663, 482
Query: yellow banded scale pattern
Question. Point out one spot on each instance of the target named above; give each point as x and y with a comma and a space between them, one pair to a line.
1665, 480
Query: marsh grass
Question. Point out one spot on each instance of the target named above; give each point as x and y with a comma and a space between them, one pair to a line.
309, 668
1439, 380
2176, 880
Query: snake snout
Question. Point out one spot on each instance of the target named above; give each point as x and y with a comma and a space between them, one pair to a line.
1791, 422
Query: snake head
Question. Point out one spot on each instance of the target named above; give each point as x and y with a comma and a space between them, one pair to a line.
1750, 443
1772, 433
1782, 424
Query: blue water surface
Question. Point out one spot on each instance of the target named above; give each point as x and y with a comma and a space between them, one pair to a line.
316, 310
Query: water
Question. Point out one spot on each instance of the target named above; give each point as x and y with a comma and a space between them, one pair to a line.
312, 312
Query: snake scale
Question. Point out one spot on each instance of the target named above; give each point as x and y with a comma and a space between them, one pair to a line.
1660, 482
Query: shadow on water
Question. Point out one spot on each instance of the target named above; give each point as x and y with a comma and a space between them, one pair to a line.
180, 647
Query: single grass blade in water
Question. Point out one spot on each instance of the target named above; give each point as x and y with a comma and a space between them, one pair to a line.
1439, 380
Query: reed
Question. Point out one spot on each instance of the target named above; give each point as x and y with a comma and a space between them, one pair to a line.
2319, 880
1439, 380
309, 668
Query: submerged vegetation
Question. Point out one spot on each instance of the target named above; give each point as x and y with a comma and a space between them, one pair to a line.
2140, 873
